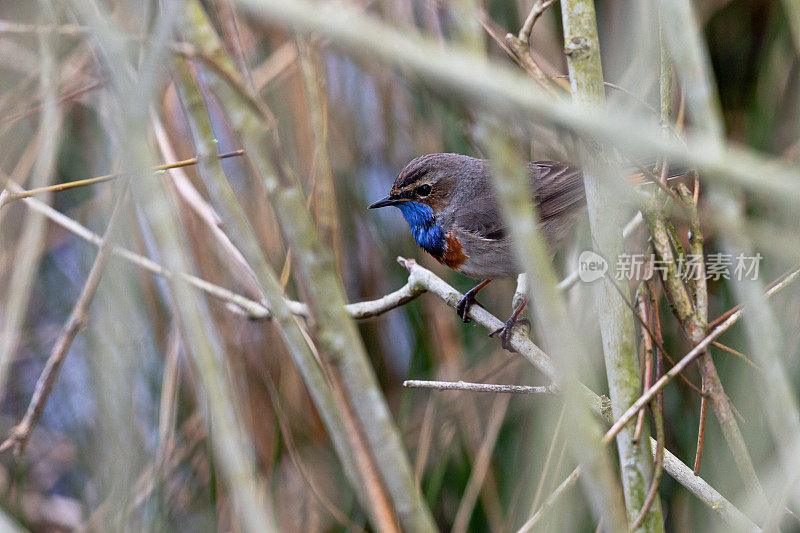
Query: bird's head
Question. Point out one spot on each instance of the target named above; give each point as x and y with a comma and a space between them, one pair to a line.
428, 181
426, 187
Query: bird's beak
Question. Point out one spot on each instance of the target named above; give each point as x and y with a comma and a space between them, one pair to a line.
386, 201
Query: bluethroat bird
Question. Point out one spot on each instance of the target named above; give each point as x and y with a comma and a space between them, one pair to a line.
449, 203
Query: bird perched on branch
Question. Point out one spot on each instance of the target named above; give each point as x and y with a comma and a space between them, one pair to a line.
449, 203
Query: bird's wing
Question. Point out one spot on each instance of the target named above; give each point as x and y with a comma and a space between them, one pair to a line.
557, 187
481, 217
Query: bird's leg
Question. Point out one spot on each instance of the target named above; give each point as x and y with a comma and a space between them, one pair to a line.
468, 299
508, 328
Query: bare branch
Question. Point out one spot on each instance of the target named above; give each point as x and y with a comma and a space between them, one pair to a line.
520, 52
107, 177
551, 500
480, 465
538, 9
77, 319
705, 492
477, 387
695, 352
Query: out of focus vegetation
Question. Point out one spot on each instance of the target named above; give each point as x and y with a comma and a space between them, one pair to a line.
174, 410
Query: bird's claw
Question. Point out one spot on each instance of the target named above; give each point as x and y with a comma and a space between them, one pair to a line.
464, 304
508, 329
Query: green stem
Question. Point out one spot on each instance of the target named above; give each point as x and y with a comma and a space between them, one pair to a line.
582, 48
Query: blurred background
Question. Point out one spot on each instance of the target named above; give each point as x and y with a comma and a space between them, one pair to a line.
124, 440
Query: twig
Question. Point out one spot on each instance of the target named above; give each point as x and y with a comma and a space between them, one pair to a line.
41, 155
551, 500
77, 319
477, 387
659, 354
647, 346
701, 434
698, 350
772, 289
691, 310
527, 28
63, 98
100, 179
424, 441
480, 465
657, 470
520, 52
649, 314
705, 492
738, 354
185, 189
547, 461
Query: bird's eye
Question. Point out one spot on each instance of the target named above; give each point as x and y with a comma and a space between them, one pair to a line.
423, 190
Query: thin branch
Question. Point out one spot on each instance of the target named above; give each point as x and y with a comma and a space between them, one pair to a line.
477, 387
41, 154
107, 177
288, 439
548, 460
527, 28
520, 52
77, 93
772, 289
657, 470
480, 465
705, 492
551, 500
648, 339
647, 309
738, 354
77, 320
698, 350
701, 434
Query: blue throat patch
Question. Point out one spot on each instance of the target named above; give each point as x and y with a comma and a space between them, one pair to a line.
424, 228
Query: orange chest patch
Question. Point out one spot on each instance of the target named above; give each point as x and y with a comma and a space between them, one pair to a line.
454, 255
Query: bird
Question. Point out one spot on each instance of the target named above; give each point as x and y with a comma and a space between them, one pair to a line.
451, 208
